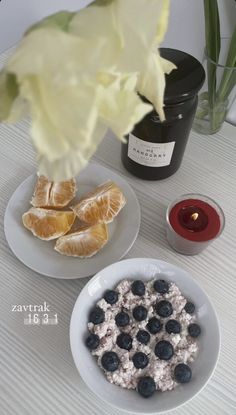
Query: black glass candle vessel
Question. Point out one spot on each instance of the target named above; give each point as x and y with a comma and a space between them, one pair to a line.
154, 150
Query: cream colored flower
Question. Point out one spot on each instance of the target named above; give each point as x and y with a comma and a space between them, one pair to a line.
119, 106
134, 29
80, 76
71, 108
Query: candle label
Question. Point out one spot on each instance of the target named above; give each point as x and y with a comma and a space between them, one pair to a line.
148, 153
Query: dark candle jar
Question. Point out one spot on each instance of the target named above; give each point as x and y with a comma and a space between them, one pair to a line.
154, 150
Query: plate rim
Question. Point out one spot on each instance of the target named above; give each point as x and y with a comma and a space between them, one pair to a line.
49, 275
157, 261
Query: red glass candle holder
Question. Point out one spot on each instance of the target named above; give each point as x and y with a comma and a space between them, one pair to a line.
193, 222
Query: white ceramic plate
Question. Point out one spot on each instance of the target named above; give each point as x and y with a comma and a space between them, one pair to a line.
40, 255
209, 342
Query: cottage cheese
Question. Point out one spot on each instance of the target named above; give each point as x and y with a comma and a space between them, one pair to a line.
185, 347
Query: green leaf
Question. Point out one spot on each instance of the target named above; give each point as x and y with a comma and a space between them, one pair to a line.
213, 44
60, 20
228, 80
8, 92
212, 29
100, 2
231, 58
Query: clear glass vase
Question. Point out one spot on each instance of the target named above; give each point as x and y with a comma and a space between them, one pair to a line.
216, 94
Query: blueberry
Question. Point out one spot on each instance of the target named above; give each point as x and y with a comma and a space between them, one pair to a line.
124, 341
182, 373
138, 288
194, 330
189, 307
173, 326
96, 315
140, 360
164, 350
143, 336
110, 361
92, 341
122, 319
161, 286
164, 308
111, 296
154, 325
139, 313
146, 386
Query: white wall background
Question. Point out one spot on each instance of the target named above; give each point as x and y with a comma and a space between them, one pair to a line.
186, 26
185, 31
17, 15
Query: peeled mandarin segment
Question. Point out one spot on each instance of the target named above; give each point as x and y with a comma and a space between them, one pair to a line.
53, 194
84, 243
48, 224
41, 192
101, 205
62, 193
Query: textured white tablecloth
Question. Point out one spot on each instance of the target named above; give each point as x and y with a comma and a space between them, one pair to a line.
37, 373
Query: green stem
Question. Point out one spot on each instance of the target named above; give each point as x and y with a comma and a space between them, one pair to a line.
228, 80
213, 45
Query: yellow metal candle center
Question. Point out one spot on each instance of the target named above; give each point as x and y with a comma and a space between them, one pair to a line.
194, 216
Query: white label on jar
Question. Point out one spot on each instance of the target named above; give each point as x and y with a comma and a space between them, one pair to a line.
150, 154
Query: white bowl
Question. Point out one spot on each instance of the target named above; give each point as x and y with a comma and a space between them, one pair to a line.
209, 342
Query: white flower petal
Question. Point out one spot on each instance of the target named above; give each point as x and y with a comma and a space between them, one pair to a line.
151, 82
80, 83
57, 54
163, 21
120, 109
73, 161
167, 66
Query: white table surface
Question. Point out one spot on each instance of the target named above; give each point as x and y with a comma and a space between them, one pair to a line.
37, 373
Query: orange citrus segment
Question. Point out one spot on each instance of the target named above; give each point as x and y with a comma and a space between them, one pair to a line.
84, 243
41, 192
53, 194
100, 205
48, 224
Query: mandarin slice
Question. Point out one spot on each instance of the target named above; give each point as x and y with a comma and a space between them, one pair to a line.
100, 205
48, 224
84, 243
53, 194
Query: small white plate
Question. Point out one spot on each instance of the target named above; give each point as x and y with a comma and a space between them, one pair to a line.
40, 255
209, 341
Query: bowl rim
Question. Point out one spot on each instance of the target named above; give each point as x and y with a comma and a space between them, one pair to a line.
71, 330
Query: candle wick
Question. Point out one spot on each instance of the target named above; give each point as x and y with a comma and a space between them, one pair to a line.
194, 216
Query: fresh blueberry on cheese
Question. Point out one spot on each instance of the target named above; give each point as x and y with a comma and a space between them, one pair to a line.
140, 313
182, 373
122, 319
110, 361
92, 341
140, 360
143, 336
111, 296
164, 350
173, 326
189, 307
164, 308
161, 286
124, 341
154, 325
194, 330
96, 315
138, 288
146, 386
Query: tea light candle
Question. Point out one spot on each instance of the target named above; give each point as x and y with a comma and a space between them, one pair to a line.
193, 222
